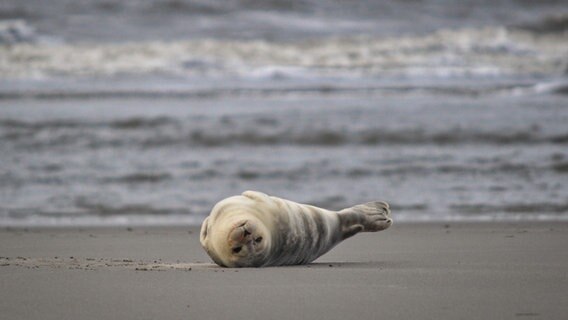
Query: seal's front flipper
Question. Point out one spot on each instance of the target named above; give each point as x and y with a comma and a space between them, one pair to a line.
369, 217
203, 233
256, 196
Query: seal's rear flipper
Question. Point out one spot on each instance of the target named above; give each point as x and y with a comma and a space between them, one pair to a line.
372, 208
369, 217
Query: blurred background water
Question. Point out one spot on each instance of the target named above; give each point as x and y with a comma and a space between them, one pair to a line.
150, 111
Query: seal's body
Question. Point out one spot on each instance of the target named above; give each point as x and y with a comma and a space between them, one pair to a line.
257, 230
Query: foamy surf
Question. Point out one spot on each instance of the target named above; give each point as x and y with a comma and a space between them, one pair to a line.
485, 52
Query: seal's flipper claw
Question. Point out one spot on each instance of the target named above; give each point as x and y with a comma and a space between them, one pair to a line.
373, 208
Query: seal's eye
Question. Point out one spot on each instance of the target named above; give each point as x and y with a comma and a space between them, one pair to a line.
257, 240
237, 249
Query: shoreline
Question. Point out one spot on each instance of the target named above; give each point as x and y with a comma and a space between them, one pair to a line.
413, 270
195, 228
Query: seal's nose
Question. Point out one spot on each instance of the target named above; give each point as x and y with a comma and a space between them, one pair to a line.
243, 232
238, 234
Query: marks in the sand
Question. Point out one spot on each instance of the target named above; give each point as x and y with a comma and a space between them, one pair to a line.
376, 265
526, 314
101, 263
76, 263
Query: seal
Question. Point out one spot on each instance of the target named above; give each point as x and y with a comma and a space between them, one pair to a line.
258, 230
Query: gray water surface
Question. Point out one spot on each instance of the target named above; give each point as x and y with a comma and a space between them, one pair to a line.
151, 111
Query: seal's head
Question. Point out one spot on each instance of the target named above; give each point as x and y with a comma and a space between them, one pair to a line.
234, 236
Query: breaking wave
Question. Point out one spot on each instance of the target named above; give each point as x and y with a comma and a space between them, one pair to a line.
445, 53
473, 90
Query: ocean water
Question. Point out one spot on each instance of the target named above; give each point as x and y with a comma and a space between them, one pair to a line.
148, 112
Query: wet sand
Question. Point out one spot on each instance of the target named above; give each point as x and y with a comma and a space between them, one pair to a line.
412, 271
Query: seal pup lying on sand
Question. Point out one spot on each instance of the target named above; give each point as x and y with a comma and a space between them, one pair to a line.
257, 230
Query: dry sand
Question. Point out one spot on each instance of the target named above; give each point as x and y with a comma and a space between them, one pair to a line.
412, 271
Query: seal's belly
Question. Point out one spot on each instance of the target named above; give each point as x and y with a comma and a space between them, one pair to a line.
303, 233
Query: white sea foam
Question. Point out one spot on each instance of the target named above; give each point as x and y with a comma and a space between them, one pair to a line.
447, 53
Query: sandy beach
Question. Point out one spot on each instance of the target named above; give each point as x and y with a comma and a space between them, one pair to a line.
412, 271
